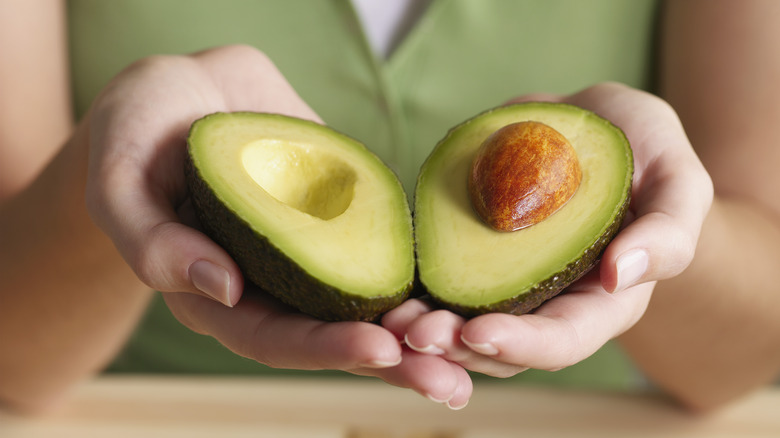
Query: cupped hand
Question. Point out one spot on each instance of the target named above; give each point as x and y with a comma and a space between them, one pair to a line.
137, 194
671, 196
138, 127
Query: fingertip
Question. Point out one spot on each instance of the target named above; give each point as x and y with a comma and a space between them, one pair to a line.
371, 346
455, 406
434, 333
631, 267
462, 392
486, 334
459, 401
380, 363
215, 281
398, 320
432, 377
484, 348
430, 349
173, 257
211, 279
479, 334
608, 276
653, 247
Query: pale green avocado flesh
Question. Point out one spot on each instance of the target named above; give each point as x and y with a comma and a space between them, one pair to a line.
468, 267
309, 214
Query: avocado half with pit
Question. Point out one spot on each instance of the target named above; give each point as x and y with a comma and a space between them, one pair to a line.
472, 267
309, 214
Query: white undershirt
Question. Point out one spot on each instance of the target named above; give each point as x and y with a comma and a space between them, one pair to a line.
385, 21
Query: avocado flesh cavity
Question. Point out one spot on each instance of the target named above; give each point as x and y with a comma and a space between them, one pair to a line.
470, 268
310, 215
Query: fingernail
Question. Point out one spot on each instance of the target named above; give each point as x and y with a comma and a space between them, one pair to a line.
428, 349
381, 363
437, 400
631, 266
211, 279
457, 408
485, 348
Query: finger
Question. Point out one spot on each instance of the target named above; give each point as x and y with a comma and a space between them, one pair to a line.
433, 377
134, 186
671, 194
436, 333
670, 199
265, 330
164, 253
564, 331
136, 180
398, 319
249, 81
439, 333
261, 328
635, 256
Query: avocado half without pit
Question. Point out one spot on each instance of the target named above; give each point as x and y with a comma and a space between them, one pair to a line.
309, 214
517, 203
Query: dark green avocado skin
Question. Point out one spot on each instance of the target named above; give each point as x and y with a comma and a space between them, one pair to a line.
269, 269
550, 287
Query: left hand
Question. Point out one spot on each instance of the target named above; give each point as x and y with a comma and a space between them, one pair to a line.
671, 196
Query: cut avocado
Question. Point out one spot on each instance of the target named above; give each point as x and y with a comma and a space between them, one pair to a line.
309, 214
472, 269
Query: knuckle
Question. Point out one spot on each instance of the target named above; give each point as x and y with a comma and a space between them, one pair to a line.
153, 62
246, 54
142, 263
569, 350
148, 262
444, 316
246, 50
682, 251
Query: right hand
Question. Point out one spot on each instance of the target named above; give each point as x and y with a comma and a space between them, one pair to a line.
671, 195
137, 195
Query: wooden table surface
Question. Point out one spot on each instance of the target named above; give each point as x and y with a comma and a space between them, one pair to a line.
161, 406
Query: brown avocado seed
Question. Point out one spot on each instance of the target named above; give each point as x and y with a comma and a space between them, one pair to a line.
522, 174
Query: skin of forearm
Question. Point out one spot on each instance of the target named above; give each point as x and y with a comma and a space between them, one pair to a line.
35, 109
67, 301
711, 334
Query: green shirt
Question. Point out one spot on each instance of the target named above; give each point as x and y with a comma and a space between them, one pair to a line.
462, 57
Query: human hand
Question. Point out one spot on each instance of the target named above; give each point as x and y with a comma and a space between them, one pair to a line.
670, 197
137, 194
136, 190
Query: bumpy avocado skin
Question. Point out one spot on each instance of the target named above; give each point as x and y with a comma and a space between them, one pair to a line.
268, 268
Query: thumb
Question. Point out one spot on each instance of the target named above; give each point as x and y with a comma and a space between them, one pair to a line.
166, 254
173, 257
135, 182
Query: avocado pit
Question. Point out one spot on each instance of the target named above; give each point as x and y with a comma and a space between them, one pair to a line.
522, 173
